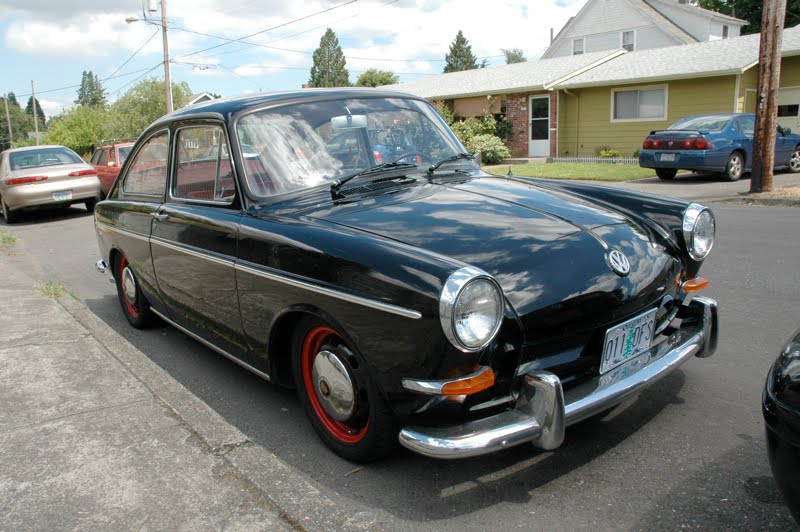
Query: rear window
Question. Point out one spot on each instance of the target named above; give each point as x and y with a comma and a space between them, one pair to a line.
42, 157
703, 123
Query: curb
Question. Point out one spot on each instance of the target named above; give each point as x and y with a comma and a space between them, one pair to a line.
298, 502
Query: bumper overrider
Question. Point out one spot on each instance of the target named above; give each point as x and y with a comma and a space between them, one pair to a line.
543, 409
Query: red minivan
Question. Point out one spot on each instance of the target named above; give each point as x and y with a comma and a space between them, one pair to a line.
107, 160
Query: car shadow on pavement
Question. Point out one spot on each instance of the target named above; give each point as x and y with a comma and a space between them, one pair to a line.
48, 215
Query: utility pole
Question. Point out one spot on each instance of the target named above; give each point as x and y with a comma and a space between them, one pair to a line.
769, 76
8, 121
167, 78
35, 115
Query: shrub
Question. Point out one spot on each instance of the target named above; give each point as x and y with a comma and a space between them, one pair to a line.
444, 111
472, 126
610, 153
492, 148
503, 129
636, 154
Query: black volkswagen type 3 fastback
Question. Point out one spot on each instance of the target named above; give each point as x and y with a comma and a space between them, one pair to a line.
341, 242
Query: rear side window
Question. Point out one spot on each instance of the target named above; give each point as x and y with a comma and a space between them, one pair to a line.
204, 170
148, 172
96, 156
747, 124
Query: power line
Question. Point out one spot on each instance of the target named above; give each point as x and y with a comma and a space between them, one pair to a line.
22, 95
132, 56
139, 77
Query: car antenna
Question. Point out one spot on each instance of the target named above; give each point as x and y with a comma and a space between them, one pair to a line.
509, 174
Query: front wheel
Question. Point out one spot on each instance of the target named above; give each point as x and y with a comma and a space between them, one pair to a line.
90, 204
794, 160
666, 174
340, 399
134, 305
735, 167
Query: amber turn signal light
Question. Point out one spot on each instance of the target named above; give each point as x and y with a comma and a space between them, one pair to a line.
695, 285
477, 382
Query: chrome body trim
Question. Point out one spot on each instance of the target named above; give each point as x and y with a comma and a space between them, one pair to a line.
101, 266
543, 409
451, 291
208, 344
260, 271
189, 251
435, 387
123, 232
690, 217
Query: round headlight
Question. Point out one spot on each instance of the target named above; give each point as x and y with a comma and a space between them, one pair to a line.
698, 231
471, 309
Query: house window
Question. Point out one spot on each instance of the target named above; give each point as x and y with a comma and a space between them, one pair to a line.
577, 46
628, 40
724, 31
639, 104
788, 110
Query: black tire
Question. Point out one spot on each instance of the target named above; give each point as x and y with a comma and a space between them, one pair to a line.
9, 216
90, 204
666, 174
735, 167
134, 305
794, 160
365, 428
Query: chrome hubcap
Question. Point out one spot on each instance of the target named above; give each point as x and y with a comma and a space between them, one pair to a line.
736, 166
129, 285
333, 386
795, 160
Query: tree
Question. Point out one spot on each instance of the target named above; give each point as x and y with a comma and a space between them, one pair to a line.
329, 67
12, 100
39, 112
21, 123
80, 128
375, 78
91, 91
460, 56
750, 10
514, 55
141, 106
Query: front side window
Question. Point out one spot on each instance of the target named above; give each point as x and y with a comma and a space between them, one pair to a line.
204, 170
639, 104
308, 144
577, 46
148, 172
628, 38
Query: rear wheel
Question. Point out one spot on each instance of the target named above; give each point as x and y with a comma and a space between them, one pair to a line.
666, 173
794, 160
9, 216
340, 399
90, 204
134, 305
735, 167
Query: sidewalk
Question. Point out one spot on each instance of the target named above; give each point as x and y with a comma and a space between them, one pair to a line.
93, 435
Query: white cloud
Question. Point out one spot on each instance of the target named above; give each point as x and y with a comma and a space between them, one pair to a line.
52, 108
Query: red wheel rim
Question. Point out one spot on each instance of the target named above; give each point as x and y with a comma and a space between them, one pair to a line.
132, 310
312, 345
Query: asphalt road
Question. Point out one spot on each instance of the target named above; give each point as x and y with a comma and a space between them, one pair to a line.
688, 453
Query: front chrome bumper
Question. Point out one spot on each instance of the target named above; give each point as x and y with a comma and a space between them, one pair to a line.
544, 410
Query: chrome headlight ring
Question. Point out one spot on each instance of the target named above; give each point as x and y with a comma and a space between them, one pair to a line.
459, 283
698, 231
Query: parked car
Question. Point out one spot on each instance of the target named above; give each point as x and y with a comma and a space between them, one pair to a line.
39, 176
781, 409
432, 304
107, 159
718, 143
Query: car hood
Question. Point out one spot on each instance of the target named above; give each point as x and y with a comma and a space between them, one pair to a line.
548, 250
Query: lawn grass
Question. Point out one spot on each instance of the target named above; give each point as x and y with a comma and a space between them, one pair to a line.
589, 171
52, 289
7, 238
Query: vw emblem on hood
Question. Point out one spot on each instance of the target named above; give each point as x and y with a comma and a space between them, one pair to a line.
619, 263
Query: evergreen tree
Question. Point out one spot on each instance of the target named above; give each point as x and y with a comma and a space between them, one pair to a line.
375, 78
750, 10
460, 56
39, 112
12, 101
91, 91
514, 55
329, 68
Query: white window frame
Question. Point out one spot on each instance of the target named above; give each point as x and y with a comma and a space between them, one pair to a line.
640, 88
582, 40
622, 39
726, 31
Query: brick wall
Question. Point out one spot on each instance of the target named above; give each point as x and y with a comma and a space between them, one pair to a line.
517, 113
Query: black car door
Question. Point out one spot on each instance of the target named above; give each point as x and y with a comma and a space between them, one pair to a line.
194, 238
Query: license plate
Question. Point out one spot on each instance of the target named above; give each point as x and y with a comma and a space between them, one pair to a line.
667, 156
628, 340
64, 195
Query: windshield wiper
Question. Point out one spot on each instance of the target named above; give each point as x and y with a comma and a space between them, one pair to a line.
458, 156
378, 168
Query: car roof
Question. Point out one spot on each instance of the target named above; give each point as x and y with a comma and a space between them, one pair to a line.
33, 148
229, 107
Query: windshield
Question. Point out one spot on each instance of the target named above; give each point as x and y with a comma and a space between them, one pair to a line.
307, 144
42, 157
703, 123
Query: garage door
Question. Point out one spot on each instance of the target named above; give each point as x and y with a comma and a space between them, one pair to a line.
789, 108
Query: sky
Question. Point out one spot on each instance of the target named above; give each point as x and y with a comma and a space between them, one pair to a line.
51, 42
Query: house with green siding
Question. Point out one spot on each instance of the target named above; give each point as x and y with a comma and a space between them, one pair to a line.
571, 106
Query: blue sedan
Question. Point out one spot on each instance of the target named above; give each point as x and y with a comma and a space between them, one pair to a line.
720, 143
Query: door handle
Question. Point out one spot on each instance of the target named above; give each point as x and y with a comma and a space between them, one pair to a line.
159, 217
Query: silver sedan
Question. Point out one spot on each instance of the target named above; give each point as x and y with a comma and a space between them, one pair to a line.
45, 175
